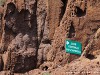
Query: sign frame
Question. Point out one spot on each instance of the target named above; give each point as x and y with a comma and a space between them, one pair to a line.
73, 47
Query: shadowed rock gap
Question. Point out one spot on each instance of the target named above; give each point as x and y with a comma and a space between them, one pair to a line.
71, 31
32, 23
11, 8
64, 7
9, 24
90, 56
80, 12
25, 24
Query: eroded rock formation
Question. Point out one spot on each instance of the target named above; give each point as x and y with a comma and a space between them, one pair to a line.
33, 34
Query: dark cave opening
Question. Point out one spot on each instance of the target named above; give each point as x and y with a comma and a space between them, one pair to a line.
11, 8
45, 68
90, 56
80, 12
26, 13
64, 7
71, 31
63, 48
9, 27
46, 41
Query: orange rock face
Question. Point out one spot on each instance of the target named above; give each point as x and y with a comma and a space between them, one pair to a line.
33, 34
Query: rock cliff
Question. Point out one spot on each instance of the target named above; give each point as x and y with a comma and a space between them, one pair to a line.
33, 34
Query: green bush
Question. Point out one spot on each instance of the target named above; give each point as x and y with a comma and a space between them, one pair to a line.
46, 73
2, 2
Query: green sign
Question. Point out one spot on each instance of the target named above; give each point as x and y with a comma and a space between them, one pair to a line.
73, 47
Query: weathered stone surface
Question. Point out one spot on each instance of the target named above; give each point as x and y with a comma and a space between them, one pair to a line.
33, 34
42, 53
1, 63
20, 37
